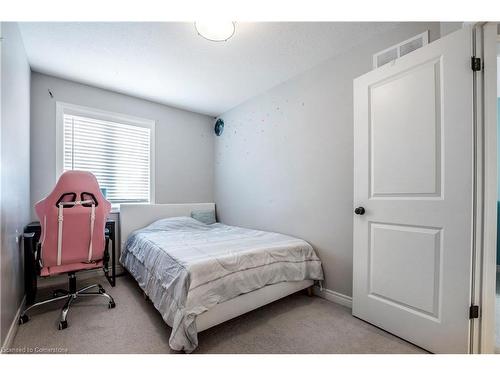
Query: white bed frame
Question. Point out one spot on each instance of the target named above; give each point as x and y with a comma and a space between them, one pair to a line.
136, 216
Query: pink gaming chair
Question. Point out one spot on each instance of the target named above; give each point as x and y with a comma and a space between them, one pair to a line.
72, 218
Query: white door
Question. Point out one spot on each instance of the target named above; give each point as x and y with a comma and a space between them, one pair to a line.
413, 159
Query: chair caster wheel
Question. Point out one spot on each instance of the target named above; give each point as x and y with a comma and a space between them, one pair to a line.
23, 319
62, 325
111, 305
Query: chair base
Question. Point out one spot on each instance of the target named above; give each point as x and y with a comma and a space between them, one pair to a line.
70, 295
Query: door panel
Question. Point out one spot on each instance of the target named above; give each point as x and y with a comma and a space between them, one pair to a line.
412, 117
413, 175
404, 266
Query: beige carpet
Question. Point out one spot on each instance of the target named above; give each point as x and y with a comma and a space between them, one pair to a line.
295, 324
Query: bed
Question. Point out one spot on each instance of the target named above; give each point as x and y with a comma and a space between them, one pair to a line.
200, 275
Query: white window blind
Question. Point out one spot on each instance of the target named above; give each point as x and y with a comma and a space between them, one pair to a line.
118, 154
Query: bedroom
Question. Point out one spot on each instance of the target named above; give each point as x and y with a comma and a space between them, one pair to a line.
230, 198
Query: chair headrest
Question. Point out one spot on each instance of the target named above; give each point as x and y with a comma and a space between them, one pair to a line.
76, 186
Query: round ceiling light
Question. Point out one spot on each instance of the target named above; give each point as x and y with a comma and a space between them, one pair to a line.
215, 31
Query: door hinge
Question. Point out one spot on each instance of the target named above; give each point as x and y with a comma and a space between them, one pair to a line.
475, 63
474, 312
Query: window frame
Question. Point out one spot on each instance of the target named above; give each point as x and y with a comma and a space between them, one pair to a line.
63, 108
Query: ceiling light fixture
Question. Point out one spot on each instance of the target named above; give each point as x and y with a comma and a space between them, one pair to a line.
215, 31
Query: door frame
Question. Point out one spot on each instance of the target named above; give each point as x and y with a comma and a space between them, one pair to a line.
483, 288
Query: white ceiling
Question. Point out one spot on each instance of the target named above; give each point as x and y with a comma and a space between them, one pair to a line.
170, 64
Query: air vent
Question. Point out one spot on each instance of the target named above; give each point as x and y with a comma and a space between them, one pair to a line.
400, 49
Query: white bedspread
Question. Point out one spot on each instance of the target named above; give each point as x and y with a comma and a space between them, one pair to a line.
186, 267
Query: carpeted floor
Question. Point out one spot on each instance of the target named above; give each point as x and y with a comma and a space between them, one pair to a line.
295, 324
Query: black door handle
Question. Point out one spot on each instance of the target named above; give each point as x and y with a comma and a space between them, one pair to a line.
359, 211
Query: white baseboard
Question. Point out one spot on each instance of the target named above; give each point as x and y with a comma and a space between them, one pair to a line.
333, 296
13, 327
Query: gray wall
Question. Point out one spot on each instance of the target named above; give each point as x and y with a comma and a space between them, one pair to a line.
449, 27
184, 140
285, 160
15, 175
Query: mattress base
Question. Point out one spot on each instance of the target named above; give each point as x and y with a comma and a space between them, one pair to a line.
244, 303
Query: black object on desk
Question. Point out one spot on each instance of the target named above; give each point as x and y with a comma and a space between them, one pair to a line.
31, 237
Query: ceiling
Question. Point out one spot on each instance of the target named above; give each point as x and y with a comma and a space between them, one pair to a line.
170, 64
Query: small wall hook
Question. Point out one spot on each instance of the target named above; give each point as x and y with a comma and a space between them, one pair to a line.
50, 93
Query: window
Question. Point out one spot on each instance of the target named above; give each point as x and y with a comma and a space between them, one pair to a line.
117, 149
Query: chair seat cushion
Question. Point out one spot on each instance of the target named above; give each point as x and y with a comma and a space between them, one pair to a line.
54, 270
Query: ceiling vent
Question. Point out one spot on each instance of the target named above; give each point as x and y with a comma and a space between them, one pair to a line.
400, 49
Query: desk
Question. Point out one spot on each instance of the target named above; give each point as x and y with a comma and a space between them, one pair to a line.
31, 237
